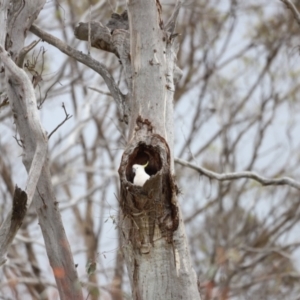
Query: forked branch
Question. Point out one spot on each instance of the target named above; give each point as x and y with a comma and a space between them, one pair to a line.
293, 8
90, 62
67, 117
23, 199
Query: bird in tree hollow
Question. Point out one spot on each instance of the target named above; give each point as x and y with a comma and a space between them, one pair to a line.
140, 175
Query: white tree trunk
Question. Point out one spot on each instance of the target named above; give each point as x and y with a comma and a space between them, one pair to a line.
18, 17
154, 241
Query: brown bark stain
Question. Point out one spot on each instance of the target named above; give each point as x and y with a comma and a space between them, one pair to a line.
153, 205
19, 205
159, 9
136, 291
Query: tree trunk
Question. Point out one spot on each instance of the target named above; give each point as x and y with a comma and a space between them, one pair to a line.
154, 241
18, 17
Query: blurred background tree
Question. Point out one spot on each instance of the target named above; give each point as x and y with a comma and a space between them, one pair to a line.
236, 109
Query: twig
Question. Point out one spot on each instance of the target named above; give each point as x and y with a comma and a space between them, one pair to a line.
293, 8
99, 91
27, 281
19, 142
171, 23
42, 101
90, 62
239, 175
31, 65
90, 192
65, 120
89, 32
27, 240
24, 51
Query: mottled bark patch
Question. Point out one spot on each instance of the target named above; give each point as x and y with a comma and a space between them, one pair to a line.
19, 207
150, 211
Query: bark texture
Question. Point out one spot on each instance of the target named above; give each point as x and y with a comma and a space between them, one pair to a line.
13, 222
155, 245
19, 17
154, 204
151, 227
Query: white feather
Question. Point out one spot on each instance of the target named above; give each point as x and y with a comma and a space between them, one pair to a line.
140, 175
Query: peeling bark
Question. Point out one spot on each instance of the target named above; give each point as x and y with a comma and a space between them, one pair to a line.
151, 227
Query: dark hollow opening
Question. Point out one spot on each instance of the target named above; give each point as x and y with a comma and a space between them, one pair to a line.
141, 155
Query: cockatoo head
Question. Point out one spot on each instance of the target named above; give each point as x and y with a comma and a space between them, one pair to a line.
139, 168
140, 175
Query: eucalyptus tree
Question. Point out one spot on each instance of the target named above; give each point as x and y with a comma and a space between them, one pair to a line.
154, 242
236, 109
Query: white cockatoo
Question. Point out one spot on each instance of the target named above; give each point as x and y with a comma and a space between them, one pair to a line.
140, 175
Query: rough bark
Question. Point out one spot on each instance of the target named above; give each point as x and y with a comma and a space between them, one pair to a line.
20, 15
154, 242
155, 245
13, 222
91, 63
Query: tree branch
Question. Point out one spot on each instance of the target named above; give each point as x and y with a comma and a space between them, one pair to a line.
293, 8
67, 117
33, 119
239, 175
100, 35
22, 199
24, 51
90, 62
114, 38
13, 222
171, 23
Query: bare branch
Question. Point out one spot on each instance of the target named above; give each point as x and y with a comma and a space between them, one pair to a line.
89, 30
67, 117
293, 8
239, 175
30, 65
99, 91
26, 240
23, 199
171, 23
27, 280
24, 51
74, 201
19, 142
100, 35
90, 62
13, 222
33, 121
